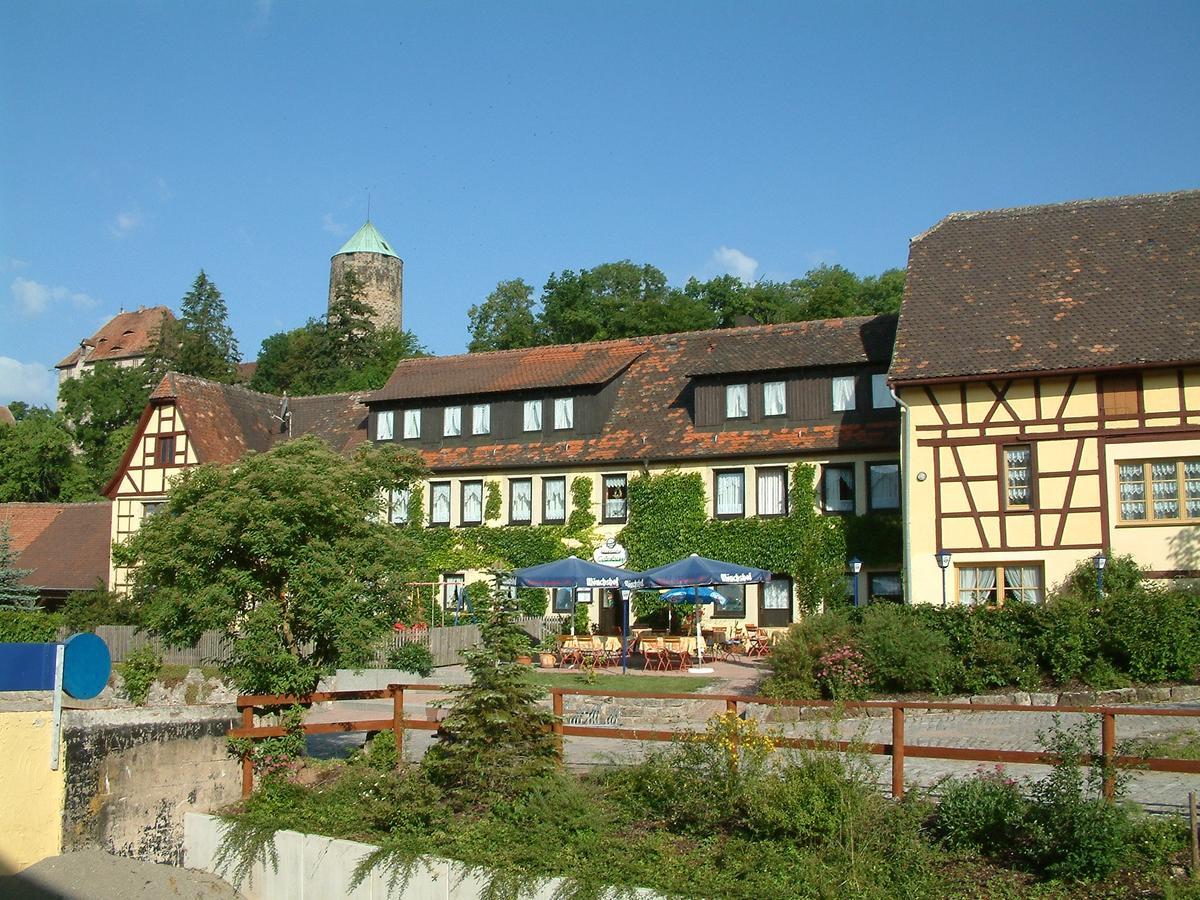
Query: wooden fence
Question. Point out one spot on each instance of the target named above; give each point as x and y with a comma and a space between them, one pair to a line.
897, 749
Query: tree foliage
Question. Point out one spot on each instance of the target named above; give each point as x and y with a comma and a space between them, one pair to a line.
200, 342
624, 299
13, 592
283, 554
102, 408
37, 463
341, 351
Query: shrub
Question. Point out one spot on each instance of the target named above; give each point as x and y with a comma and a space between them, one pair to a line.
382, 752
901, 653
139, 671
842, 673
1069, 636
986, 812
28, 626
85, 610
412, 657
1122, 575
793, 659
1154, 634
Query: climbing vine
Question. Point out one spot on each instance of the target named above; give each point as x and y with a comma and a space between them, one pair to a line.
491, 509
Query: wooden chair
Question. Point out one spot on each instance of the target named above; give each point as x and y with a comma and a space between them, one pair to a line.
652, 652
676, 653
760, 642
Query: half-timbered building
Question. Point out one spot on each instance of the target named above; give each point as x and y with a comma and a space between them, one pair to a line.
1048, 364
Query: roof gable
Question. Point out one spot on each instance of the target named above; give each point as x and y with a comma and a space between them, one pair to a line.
125, 335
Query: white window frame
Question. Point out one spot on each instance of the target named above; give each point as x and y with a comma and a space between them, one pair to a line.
412, 424
532, 419
481, 418
837, 387
452, 421
734, 393
385, 425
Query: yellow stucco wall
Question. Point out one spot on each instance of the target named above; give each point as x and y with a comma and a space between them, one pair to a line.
31, 793
1064, 433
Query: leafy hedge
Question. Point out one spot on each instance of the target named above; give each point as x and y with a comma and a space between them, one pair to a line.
28, 626
1135, 633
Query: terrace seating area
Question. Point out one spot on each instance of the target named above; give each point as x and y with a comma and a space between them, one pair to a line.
659, 651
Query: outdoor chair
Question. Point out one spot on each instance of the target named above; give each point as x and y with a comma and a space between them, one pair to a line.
760, 643
568, 649
653, 656
676, 653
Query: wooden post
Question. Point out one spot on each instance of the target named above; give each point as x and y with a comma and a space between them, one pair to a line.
248, 759
897, 752
556, 698
1195, 837
1108, 743
398, 718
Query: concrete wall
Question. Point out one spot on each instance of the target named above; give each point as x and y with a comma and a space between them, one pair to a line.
31, 793
313, 866
132, 774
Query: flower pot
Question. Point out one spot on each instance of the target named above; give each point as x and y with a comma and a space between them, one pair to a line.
547, 660
525, 660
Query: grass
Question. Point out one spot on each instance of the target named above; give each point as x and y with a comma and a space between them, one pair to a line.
172, 674
611, 681
1182, 745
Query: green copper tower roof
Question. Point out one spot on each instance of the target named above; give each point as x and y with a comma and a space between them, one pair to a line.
367, 240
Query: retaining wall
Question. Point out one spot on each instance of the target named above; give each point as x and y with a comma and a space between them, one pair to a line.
31, 793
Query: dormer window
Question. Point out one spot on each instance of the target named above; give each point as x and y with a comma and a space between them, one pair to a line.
533, 415
564, 413
412, 424
775, 398
737, 404
843, 393
481, 418
452, 421
385, 425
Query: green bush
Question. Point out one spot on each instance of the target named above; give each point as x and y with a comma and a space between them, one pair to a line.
794, 658
1068, 640
28, 626
139, 670
984, 813
1154, 634
412, 657
1121, 576
86, 610
382, 752
901, 653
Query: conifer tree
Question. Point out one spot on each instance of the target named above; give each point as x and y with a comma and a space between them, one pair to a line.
12, 591
201, 342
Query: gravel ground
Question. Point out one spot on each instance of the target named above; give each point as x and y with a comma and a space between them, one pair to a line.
96, 875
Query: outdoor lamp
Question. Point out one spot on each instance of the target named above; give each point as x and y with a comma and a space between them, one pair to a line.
1100, 561
855, 567
943, 561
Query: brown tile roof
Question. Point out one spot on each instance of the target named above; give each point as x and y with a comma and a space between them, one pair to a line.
651, 418
1092, 284
575, 365
125, 335
66, 544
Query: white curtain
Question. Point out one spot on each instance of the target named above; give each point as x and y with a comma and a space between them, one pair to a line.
522, 501
554, 493
1191, 487
885, 586
564, 412
1133, 491
1164, 485
771, 493
441, 503
481, 418
735, 401
839, 489
1022, 583
730, 500
885, 487
452, 591
398, 506
385, 423
881, 397
774, 398
777, 594
976, 586
452, 421
412, 423
533, 415
473, 501
614, 498
843, 393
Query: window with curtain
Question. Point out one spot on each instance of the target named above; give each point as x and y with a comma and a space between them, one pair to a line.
885, 585
1161, 490
385, 425
777, 593
616, 496
398, 500
439, 503
772, 491
481, 418
843, 393
1023, 583
980, 585
453, 587
533, 415
1018, 468
472, 502
1164, 490
881, 397
732, 604
883, 486
737, 404
564, 412
731, 494
554, 500
839, 489
412, 423
452, 421
775, 398
520, 501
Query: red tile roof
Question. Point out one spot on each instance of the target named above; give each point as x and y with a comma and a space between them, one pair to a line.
65, 544
1094, 284
125, 335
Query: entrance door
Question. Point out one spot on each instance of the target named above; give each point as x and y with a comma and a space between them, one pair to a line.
612, 612
775, 602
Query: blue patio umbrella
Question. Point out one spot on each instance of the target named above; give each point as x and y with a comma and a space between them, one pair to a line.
698, 572
575, 573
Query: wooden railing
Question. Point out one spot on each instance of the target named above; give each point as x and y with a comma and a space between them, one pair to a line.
897, 749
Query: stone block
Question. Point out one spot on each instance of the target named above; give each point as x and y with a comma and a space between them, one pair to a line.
1184, 692
1077, 698
993, 700
1022, 698
1153, 694
1043, 699
1116, 695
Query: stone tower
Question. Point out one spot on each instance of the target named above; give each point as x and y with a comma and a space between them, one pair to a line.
381, 271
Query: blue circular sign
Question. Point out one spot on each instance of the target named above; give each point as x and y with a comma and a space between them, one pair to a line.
86, 665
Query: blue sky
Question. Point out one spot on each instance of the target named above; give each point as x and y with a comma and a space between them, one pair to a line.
140, 142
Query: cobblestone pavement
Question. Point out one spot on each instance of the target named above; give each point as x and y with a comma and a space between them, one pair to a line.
1157, 791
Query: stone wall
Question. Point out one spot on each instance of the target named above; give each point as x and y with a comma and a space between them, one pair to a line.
31, 792
383, 284
132, 774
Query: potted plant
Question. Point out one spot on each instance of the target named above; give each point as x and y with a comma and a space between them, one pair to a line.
546, 653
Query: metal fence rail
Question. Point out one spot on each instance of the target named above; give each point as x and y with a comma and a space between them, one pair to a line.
896, 749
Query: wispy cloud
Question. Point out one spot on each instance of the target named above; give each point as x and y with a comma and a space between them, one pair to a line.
12, 264
126, 222
30, 382
734, 262
34, 298
333, 227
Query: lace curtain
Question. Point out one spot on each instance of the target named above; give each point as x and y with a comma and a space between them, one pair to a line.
522, 501
398, 506
473, 502
533, 415
729, 493
441, 503
412, 423
555, 499
481, 418
385, 425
